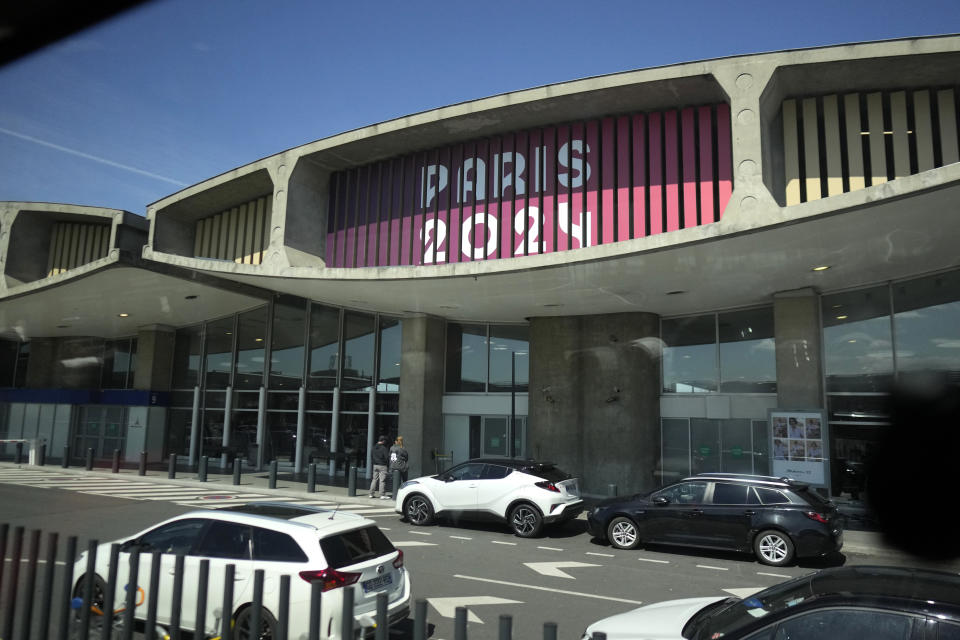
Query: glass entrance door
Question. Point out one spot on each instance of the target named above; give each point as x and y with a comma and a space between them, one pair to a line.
495, 439
101, 429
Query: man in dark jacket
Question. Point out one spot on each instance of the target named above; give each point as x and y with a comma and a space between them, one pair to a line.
381, 457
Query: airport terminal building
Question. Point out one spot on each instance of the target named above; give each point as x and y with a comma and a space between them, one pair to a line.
712, 266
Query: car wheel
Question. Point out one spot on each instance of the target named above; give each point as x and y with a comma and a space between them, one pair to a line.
96, 600
773, 548
243, 626
525, 520
417, 509
623, 533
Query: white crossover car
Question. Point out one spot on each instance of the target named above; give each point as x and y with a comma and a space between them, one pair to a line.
524, 493
343, 550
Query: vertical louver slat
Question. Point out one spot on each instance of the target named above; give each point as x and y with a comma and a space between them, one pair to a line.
724, 156
639, 176
707, 181
878, 151
689, 157
233, 220
791, 153
948, 126
831, 131
611, 223
811, 149
223, 250
656, 175
855, 164
198, 238
623, 178
672, 169
240, 253
261, 227
901, 142
923, 130
83, 257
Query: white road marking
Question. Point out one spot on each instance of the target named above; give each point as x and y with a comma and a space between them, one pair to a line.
447, 607
512, 544
550, 548
652, 560
550, 589
773, 575
421, 533
460, 537
413, 543
553, 569
706, 566
602, 555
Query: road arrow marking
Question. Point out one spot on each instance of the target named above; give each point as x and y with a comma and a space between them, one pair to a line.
553, 568
414, 543
447, 607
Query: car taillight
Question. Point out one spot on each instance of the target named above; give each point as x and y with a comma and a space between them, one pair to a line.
549, 486
398, 561
813, 515
331, 578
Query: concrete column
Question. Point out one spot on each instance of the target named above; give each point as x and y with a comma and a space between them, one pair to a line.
595, 398
798, 349
421, 390
155, 346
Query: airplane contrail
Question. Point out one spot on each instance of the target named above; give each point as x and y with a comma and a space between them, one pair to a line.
91, 157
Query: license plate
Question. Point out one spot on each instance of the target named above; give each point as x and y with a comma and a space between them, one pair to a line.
377, 583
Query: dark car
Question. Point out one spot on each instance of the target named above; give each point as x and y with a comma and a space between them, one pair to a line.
845, 603
778, 519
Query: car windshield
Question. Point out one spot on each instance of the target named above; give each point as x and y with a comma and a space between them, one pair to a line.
719, 622
350, 547
548, 472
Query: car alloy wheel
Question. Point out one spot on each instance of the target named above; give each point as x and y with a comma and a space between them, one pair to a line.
623, 533
418, 510
773, 548
525, 520
244, 624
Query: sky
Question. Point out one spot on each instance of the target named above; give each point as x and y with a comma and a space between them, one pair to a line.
177, 91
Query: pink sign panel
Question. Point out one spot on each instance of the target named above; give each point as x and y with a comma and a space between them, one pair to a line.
556, 188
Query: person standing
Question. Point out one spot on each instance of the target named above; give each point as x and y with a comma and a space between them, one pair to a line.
380, 459
399, 461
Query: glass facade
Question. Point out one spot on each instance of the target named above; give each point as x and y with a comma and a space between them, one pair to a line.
729, 352
302, 342
479, 358
119, 364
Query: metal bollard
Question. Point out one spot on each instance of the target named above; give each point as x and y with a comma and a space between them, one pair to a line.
16, 459
202, 583
172, 469
395, 482
42, 455
611, 490
10, 602
236, 478
346, 618
316, 589
549, 631
202, 469
382, 628
66, 456
506, 626
460, 624
225, 619
312, 477
116, 461
273, 474
90, 459
142, 470
33, 556
351, 481
420, 619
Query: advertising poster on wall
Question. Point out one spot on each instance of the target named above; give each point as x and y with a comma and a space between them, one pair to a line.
799, 446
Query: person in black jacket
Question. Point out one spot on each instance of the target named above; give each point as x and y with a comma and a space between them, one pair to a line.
381, 457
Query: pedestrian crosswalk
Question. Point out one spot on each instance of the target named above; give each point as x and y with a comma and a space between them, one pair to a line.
213, 497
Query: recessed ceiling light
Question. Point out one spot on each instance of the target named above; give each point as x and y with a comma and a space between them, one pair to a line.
852, 341
123, 315
841, 317
822, 267
258, 340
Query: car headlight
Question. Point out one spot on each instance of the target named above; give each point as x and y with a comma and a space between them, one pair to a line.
408, 483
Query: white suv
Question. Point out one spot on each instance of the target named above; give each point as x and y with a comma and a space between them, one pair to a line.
524, 493
343, 550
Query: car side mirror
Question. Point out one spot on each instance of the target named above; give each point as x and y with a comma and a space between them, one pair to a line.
660, 501
448, 478
129, 545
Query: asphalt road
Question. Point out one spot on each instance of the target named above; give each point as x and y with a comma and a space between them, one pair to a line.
563, 577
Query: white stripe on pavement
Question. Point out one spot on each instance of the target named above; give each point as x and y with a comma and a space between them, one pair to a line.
550, 589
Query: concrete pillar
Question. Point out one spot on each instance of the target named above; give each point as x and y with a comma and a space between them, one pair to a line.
421, 390
595, 398
155, 347
799, 348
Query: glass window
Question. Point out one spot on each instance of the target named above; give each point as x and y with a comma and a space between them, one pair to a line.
351, 547
747, 351
847, 624
689, 354
226, 540
495, 472
726, 493
219, 356
857, 340
391, 352
772, 496
119, 364
251, 343
927, 320
324, 347
466, 357
684, 493
359, 342
469, 471
317, 446
8, 362
273, 546
675, 442
175, 537
281, 436
186, 357
504, 341
286, 345
23, 360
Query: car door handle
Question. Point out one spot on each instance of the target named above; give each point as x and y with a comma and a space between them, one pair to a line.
696, 512
750, 512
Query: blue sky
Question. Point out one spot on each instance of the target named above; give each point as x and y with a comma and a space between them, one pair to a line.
178, 91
